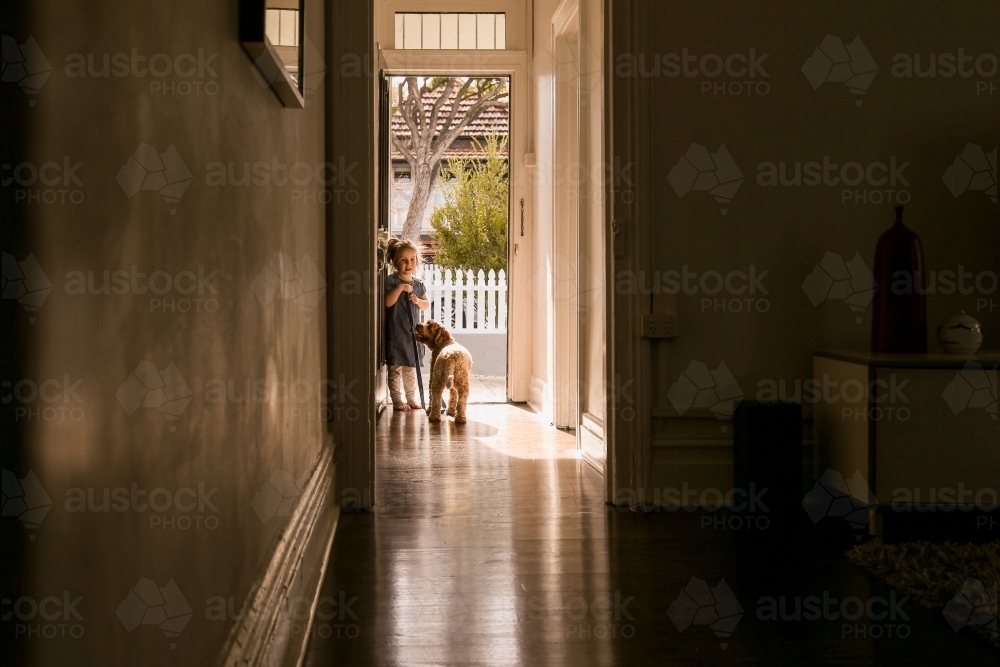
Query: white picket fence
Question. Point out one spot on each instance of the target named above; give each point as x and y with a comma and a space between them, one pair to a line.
467, 301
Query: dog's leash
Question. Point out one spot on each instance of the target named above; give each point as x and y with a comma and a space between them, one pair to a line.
416, 355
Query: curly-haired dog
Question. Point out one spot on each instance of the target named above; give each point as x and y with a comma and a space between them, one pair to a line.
450, 367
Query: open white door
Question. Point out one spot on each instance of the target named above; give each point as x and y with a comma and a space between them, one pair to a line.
566, 216
580, 217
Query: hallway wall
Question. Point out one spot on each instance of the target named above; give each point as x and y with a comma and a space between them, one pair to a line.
771, 120
188, 387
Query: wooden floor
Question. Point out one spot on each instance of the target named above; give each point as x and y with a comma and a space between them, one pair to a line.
491, 545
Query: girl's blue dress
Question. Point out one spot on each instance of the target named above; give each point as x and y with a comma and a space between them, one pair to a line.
398, 330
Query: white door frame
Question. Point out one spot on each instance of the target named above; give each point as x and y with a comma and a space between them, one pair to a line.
513, 64
627, 425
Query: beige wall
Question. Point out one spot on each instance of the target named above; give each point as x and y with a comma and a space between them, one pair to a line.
787, 230
229, 448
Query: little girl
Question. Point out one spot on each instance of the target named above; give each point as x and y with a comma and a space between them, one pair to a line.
403, 292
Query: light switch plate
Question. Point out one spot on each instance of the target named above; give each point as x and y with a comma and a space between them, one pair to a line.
659, 325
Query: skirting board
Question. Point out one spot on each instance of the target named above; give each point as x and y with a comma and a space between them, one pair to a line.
536, 395
592, 445
268, 635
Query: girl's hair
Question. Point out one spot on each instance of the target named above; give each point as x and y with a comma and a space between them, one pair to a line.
395, 246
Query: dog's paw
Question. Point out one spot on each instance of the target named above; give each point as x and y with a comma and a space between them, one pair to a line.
460, 420
431, 417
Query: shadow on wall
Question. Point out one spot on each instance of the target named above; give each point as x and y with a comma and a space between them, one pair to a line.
16, 325
489, 353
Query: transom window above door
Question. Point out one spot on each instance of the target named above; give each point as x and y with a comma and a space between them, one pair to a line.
282, 27
451, 31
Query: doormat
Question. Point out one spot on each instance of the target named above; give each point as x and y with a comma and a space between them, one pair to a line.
959, 580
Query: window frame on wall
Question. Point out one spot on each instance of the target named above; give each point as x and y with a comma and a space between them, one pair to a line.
440, 31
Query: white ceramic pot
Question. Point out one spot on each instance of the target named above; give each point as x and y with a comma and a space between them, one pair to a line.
960, 334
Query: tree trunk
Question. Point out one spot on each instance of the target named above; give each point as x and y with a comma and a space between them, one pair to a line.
424, 178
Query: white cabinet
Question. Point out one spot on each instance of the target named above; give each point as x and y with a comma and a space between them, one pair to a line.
921, 429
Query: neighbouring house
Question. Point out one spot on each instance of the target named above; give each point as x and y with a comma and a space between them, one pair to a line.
492, 121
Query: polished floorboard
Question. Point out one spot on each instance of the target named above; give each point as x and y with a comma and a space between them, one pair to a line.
491, 545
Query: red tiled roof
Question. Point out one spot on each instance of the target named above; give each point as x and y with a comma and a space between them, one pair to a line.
494, 120
453, 152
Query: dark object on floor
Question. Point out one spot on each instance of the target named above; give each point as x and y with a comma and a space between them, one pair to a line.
767, 455
978, 523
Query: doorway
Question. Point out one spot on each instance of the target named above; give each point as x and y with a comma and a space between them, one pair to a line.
528, 61
445, 147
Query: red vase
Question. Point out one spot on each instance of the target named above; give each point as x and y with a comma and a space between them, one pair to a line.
899, 319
